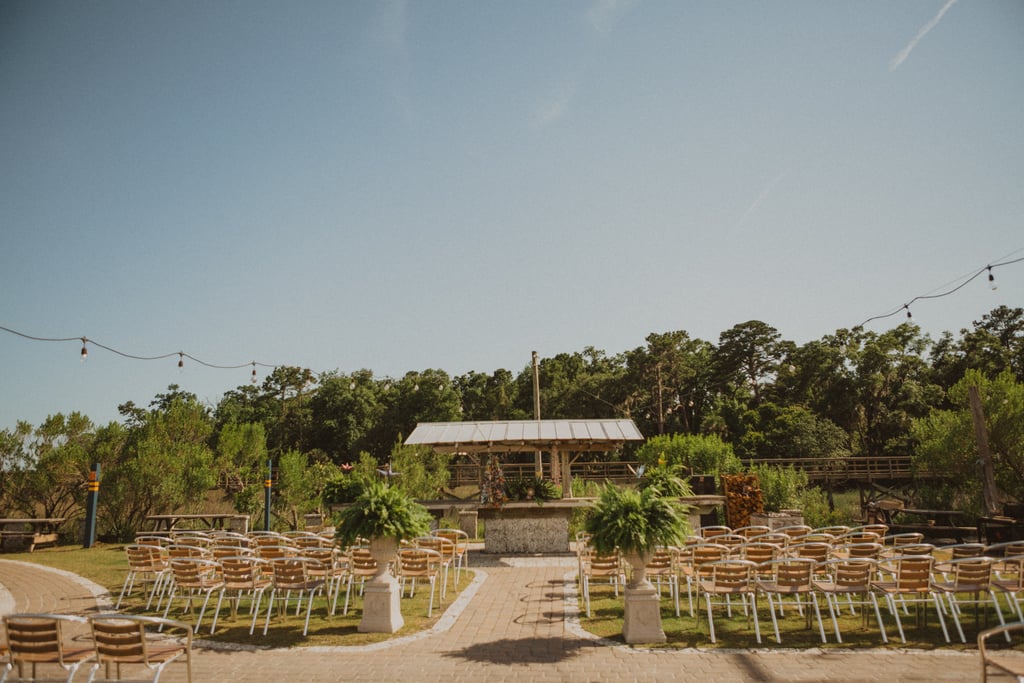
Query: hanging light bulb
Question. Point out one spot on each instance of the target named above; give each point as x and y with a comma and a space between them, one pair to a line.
85, 351
992, 280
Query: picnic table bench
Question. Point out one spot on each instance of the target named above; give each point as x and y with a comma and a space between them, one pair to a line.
209, 520
29, 531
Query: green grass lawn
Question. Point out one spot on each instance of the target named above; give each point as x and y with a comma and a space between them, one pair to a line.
106, 565
735, 631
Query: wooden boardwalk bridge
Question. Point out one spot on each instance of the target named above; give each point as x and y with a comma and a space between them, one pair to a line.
854, 470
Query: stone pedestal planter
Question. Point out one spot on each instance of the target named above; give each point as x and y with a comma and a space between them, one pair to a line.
642, 617
382, 595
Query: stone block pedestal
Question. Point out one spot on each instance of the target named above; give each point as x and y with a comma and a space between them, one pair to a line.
642, 622
381, 607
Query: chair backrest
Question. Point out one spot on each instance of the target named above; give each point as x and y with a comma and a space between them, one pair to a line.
914, 572
306, 539
361, 561
662, 561
970, 573
331, 558
732, 541
706, 553
121, 639
913, 549
851, 574
444, 546
38, 638
960, 550
197, 538
293, 572
858, 535
752, 530
418, 562
709, 532
1005, 549
732, 574
457, 536
243, 571
834, 530
908, 538
774, 537
793, 573
175, 550
880, 529
153, 539
192, 572
602, 564
815, 550
860, 550
795, 531
146, 558
759, 552
262, 538
219, 551
234, 538
273, 552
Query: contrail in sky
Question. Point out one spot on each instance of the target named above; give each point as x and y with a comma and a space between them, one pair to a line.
760, 198
905, 52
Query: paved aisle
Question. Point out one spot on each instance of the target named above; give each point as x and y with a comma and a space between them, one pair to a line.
517, 627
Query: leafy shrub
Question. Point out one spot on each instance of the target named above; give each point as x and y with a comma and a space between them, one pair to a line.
696, 454
530, 488
343, 489
667, 481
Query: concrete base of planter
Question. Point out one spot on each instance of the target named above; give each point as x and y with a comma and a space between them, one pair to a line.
381, 607
642, 622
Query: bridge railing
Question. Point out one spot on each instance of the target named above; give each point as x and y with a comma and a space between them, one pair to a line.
864, 469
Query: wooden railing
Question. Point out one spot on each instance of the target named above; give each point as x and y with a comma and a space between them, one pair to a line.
857, 469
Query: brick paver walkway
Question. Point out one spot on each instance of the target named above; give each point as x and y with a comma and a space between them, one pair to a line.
517, 626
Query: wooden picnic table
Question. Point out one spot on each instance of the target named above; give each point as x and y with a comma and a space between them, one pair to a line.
30, 531
932, 523
210, 520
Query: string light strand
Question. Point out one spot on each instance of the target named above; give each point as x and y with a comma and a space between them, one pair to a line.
923, 297
180, 354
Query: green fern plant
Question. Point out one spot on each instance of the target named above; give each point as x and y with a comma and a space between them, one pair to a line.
382, 511
635, 521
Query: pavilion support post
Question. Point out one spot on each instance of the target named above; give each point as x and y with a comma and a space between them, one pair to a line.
566, 476
556, 470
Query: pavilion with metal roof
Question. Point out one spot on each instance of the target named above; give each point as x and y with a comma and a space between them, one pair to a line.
560, 438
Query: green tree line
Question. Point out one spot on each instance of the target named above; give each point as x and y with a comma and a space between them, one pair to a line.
849, 394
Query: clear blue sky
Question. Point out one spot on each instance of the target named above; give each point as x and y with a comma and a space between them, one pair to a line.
400, 186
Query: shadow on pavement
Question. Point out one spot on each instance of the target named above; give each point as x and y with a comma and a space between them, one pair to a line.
521, 651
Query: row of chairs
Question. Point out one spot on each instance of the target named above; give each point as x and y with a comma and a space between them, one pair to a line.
188, 572
55, 642
847, 567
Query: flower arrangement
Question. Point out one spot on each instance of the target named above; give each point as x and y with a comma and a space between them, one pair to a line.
493, 491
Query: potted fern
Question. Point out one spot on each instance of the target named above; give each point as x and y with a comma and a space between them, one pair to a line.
635, 522
384, 515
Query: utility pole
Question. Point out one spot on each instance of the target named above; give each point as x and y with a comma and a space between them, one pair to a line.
988, 477
538, 461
